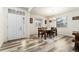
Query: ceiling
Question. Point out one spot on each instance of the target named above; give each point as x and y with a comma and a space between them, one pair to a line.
49, 11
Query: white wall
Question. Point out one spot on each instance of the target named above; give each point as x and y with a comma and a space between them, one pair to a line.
72, 25
27, 32
2, 26
51, 24
33, 28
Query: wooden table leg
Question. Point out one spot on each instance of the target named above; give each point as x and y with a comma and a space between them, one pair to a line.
45, 36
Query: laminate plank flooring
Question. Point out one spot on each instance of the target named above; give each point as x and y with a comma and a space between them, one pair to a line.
59, 43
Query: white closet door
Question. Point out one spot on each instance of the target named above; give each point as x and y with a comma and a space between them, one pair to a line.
20, 26
15, 26
12, 26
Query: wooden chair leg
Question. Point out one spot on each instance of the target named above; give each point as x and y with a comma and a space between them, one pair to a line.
45, 36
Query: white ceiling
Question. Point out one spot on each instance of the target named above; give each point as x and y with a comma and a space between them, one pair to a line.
25, 8
51, 11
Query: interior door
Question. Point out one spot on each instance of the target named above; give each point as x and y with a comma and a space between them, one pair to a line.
15, 26
12, 26
20, 26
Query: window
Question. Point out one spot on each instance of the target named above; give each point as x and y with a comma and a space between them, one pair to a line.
16, 12
61, 21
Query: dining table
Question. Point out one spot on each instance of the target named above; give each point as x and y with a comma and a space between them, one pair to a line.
46, 33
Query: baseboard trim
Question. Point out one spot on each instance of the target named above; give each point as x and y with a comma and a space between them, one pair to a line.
15, 39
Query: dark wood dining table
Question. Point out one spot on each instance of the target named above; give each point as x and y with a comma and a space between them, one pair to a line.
46, 33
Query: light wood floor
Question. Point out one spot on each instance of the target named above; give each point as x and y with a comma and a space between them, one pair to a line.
59, 43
